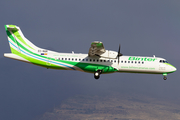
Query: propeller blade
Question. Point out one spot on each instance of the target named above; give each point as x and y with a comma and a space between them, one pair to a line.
119, 53
119, 49
118, 60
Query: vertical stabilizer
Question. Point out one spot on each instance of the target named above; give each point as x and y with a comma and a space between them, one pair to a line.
17, 41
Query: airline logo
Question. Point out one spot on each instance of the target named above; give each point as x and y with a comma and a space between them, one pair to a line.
142, 59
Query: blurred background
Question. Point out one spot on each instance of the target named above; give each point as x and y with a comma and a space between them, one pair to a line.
143, 28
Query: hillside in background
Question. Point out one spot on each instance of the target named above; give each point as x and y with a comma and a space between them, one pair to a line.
29, 92
114, 107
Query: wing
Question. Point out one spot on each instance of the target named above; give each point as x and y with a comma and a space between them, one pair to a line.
96, 49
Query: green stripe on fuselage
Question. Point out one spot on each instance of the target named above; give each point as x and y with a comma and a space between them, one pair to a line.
39, 62
88, 67
84, 66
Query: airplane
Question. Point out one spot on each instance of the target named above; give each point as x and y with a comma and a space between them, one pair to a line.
98, 60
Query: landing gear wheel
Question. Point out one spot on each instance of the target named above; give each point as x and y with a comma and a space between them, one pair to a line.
165, 77
97, 75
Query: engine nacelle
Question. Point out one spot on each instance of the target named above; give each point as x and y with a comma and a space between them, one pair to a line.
109, 54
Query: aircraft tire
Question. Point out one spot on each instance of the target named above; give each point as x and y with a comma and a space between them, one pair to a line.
97, 75
165, 77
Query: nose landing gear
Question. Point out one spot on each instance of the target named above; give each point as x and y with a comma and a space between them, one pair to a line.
165, 76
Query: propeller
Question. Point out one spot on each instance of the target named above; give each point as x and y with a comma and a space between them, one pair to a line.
119, 54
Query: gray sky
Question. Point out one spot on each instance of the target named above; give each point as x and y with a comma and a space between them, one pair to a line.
142, 27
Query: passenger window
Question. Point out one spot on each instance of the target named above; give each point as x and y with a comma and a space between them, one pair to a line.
75, 59
131, 61
135, 62
100, 60
62, 58
69, 59
111, 60
104, 60
93, 60
142, 62
59, 59
89, 59
82, 59
86, 59
115, 61
139, 62
79, 59
121, 61
97, 60
72, 59
128, 61
124, 61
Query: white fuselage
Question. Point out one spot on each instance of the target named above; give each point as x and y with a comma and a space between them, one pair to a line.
134, 64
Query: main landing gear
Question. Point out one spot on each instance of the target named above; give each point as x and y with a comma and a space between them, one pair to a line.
97, 74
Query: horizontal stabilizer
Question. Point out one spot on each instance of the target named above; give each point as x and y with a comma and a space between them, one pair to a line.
14, 56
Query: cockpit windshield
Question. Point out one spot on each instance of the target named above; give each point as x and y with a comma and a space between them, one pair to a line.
163, 61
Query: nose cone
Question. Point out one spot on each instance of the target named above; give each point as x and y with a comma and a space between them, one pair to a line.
173, 69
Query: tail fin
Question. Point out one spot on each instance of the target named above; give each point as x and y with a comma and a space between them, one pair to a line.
17, 41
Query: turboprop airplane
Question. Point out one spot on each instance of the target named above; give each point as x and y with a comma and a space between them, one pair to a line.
98, 60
